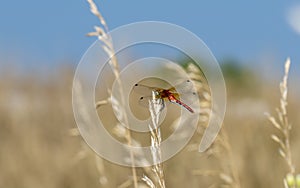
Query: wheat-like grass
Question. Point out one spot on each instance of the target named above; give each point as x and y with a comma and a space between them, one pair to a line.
221, 148
103, 35
281, 122
155, 108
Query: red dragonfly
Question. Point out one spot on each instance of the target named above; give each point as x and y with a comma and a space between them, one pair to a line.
164, 94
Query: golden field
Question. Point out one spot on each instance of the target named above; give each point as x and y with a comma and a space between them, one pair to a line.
37, 148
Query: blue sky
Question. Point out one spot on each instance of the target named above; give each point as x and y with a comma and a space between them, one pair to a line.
36, 32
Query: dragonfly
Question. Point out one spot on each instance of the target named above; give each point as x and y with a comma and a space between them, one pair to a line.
169, 94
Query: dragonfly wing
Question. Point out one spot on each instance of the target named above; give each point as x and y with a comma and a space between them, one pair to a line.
143, 89
187, 94
184, 87
144, 101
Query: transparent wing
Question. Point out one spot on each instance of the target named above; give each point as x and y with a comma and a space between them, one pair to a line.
144, 101
183, 87
143, 89
145, 93
185, 90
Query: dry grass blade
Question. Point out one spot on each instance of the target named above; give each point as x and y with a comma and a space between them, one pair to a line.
276, 139
155, 107
95, 11
283, 125
221, 148
101, 103
126, 184
273, 121
148, 181
102, 34
100, 167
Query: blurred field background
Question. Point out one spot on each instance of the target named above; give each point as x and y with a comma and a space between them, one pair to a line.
37, 143
37, 149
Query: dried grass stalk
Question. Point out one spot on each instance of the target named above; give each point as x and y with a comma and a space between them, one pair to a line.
221, 148
148, 181
282, 123
103, 35
155, 108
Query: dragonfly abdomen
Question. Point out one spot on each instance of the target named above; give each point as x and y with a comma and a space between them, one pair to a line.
174, 100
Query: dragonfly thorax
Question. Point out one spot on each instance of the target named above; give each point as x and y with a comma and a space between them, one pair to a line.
163, 93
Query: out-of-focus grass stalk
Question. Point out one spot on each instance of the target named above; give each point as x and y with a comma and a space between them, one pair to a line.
102, 34
221, 148
281, 123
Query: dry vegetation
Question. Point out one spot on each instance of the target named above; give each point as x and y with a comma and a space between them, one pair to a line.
37, 148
